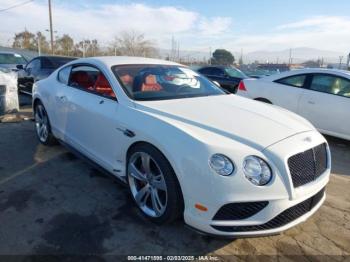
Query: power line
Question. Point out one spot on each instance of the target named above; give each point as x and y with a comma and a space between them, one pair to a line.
16, 5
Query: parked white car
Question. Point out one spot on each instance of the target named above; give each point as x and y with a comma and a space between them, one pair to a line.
320, 95
227, 165
8, 91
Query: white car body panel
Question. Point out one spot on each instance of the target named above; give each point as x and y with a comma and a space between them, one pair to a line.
188, 131
327, 112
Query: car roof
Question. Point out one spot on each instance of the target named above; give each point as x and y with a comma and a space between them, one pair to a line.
55, 56
215, 66
218, 66
339, 72
9, 53
124, 60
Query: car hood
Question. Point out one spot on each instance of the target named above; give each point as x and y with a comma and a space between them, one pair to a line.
254, 123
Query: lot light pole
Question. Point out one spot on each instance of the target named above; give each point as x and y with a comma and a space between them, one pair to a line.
39, 45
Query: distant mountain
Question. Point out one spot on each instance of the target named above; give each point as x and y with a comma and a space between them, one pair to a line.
299, 55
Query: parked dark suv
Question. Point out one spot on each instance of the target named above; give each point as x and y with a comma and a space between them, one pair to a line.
227, 76
38, 68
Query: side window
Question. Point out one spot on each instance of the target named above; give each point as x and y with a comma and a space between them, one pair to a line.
205, 71
217, 72
63, 75
34, 65
297, 81
331, 84
90, 79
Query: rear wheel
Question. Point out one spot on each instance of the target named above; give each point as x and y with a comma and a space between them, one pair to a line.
42, 125
153, 184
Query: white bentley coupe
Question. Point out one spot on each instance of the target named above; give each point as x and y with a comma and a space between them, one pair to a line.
322, 96
226, 164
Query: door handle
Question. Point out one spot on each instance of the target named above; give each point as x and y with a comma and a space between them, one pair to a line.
126, 132
101, 102
311, 102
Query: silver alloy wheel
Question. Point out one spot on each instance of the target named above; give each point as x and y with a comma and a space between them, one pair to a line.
41, 123
147, 184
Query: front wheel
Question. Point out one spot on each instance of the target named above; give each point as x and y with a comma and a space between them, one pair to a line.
42, 125
153, 184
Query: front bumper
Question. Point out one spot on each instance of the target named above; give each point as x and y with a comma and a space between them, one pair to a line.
257, 225
287, 206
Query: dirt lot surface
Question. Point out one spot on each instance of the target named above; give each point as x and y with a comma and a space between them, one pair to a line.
54, 203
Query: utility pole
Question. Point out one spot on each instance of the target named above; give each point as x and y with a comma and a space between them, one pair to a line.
209, 55
290, 56
340, 61
84, 50
51, 30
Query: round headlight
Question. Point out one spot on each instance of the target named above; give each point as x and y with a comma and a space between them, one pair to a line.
221, 164
257, 170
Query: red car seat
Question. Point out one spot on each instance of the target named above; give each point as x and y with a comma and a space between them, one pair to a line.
82, 79
103, 87
151, 84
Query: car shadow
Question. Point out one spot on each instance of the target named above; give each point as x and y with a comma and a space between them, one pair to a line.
59, 204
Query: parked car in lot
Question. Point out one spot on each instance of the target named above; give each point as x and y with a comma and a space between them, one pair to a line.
227, 76
227, 165
38, 68
320, 95
8, 91
11, 60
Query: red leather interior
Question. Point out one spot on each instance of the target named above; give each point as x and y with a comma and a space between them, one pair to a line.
151, 84
82, 79
103, 87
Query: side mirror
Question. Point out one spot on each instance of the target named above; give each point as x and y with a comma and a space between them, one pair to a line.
19, 67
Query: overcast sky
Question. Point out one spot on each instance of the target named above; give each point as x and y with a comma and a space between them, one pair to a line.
196, 24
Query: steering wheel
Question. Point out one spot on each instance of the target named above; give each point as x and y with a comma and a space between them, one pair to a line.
180, 88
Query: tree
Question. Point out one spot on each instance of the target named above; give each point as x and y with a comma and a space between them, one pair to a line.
133, 44
41, 43
94, 48
312, 63
222, 57
64, 45
87, 48
25, 40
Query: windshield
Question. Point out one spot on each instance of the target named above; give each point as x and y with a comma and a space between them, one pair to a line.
234, 72
157, 82
12, 59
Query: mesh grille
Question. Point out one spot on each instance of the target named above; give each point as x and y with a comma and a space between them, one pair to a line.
307, 166
282, 219
238, 211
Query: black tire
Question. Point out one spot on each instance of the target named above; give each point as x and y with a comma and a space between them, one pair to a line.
175, 205
264, 100
50, 139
